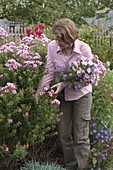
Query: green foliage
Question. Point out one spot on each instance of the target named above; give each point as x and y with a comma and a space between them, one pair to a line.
49, 11
101, 126
33, 165
102, 103
20, 152
100, 46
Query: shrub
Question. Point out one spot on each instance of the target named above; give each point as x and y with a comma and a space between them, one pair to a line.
24, 123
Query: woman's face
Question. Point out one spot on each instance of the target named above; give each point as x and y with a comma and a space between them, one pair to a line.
62, 44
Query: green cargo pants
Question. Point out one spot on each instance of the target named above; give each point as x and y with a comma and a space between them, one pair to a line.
73, 130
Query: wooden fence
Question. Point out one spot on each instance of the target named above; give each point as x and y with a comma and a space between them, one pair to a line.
17, 31
101, 37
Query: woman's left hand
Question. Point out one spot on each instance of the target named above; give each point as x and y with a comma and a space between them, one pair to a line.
59, 87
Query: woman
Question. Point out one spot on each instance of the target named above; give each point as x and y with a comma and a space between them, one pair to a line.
73, 128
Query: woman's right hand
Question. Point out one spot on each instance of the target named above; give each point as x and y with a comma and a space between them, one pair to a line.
59, 87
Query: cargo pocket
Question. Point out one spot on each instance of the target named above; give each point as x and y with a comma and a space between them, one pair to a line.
86, 116
83, 136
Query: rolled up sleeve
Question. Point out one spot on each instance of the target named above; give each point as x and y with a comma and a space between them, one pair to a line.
86, 51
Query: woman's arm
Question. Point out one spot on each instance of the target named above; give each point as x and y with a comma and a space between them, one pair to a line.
48, 76
86, 50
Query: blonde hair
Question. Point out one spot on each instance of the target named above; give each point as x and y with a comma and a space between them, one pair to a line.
65, 30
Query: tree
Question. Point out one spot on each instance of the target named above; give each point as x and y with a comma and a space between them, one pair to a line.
48, 11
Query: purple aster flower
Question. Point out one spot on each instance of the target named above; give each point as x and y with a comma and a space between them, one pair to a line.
94, 124
84, 72
102, 141
102, 136
103, 156
94, 141
95, 154
94, 131
98, 135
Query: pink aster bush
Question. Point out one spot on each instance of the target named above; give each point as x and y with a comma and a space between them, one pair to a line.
4, 36
24, 123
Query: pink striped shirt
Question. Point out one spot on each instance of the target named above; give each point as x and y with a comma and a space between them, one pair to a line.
56, 59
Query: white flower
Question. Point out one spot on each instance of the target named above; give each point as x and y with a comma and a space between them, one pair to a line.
89, 70
108, 63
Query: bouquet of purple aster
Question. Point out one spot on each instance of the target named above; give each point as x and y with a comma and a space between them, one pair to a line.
81, 72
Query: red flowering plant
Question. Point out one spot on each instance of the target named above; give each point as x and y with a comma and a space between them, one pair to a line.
37, 38
24, 123
36, 32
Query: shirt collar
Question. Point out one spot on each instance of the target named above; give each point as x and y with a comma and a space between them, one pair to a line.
59, 49
76, 47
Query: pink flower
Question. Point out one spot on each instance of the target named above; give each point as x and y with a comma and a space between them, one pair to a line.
14, 91
37, 56
10, 120
41, 93
26, 114
10, 69
1, 95
46, 88
55, 101
1, 75
40, 63
11, 85
6, 149
3, 88
33, 90
6, 90
52, 91
19, 110
50, 94
111, 95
